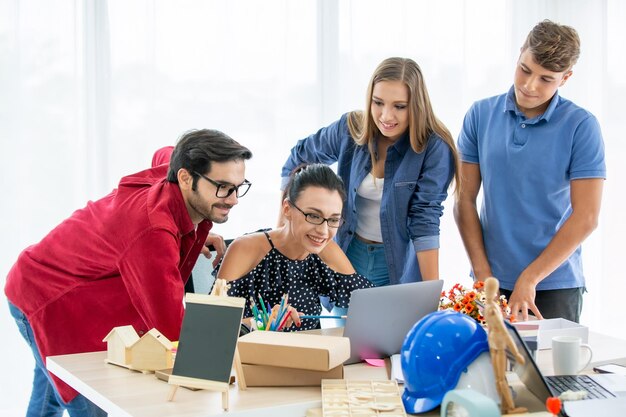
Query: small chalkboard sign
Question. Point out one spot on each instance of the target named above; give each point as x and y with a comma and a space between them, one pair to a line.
207, 344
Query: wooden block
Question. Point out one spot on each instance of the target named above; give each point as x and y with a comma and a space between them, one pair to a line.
368, 398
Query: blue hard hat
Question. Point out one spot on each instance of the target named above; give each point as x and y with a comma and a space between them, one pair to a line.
435, 352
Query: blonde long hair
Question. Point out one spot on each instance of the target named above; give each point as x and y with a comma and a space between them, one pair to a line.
422, 119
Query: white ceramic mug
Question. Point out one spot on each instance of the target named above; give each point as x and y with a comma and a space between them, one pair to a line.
566, 355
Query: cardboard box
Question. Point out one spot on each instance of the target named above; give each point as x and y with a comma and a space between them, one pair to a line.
547, 329
273, 376
294, 350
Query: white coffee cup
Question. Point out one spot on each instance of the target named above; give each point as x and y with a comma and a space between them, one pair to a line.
566, 355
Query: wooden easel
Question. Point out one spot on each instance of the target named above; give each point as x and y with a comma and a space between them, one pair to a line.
220, 289
218, 298
177, 381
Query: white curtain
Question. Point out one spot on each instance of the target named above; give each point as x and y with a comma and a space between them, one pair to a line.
89, 89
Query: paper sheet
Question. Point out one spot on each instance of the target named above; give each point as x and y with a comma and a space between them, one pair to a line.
379, 363
396, 369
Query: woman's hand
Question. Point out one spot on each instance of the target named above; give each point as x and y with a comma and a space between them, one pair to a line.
292, 316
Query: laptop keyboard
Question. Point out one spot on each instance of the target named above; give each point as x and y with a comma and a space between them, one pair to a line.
562, 383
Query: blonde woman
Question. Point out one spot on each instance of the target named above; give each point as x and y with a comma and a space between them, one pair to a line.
397, 161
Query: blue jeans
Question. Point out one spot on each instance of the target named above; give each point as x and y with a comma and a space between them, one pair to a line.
45, 401
369, 260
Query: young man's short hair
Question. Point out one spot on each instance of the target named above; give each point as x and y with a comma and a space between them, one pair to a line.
555, 47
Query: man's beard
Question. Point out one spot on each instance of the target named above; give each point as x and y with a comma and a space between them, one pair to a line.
209, 215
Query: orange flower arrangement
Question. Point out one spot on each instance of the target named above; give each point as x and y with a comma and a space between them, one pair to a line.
470, 301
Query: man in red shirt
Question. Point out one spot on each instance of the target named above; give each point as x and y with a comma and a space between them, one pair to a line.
123, 259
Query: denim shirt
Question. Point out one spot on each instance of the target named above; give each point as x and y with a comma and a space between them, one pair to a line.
414, 189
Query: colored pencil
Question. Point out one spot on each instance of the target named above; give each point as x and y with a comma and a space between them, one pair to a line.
258, 317
266, 317
271, 324
282, 323
255, 310
283, 309
280, 309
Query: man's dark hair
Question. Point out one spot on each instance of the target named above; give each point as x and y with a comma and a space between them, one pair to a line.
197, 149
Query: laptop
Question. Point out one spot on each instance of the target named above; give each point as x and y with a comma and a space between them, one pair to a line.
599, 387
379, 318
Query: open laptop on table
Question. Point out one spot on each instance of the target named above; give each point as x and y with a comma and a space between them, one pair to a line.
379, 318
603, 386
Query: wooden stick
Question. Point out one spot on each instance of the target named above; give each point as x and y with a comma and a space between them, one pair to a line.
172, 393
241, 380
225, 400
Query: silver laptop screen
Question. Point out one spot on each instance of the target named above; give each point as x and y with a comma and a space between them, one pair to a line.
528, 372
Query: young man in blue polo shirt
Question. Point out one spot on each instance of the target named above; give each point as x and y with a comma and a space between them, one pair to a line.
540, 159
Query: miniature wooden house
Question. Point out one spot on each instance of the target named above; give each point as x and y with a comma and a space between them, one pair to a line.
152, 352
119, 343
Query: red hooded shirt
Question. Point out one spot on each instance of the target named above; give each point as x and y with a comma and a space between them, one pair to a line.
121, 260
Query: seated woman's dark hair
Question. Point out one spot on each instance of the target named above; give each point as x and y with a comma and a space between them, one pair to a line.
313, 175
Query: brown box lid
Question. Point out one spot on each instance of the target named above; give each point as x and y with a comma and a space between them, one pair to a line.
294, 350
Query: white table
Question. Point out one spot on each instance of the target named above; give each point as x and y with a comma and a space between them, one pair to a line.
132, 394
122, 392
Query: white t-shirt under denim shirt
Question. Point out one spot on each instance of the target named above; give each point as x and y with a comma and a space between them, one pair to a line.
368, 197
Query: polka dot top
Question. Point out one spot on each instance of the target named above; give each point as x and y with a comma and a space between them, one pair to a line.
304, 280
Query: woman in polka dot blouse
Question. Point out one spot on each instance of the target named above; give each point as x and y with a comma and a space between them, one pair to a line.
288, 260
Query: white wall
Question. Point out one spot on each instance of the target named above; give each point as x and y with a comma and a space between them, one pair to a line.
88, 90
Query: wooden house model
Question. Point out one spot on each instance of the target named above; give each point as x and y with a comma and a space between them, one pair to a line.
119, 343
151, 352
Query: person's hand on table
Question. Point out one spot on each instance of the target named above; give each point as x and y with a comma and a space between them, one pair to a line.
523, 299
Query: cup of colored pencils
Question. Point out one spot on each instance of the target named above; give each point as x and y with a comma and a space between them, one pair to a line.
269, 319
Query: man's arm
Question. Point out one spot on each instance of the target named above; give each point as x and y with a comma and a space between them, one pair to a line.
149, 270
586, 197
218, 243
468, 222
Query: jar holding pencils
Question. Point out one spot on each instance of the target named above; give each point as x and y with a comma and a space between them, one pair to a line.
275, 319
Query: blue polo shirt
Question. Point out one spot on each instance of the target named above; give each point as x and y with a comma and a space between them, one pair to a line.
415, 186
526, 167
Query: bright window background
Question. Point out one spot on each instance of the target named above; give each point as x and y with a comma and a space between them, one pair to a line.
89, 89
